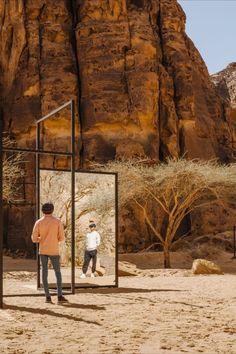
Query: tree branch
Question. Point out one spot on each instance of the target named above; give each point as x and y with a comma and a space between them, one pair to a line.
149, 222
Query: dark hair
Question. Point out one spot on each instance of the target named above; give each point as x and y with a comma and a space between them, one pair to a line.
47, 208
92, 223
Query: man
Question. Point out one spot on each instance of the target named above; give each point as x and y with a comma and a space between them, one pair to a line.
48, 232
92, 242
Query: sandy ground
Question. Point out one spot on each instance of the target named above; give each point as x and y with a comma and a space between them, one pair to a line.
157, 311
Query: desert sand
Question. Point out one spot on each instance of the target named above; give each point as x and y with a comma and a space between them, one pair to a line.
156, 311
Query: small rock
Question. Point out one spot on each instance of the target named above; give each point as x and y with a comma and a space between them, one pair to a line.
191, 345
202, 266
101, 271
165, 346
125, 269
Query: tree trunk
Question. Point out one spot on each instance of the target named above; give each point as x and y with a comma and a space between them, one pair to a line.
166, 257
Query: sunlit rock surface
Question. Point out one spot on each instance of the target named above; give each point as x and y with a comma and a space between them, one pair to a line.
140, 86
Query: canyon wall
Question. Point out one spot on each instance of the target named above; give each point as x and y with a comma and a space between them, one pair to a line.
140, 86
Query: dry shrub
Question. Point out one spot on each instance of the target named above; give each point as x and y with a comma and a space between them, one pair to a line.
12, 173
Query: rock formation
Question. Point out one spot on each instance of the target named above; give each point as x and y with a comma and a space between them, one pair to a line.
225, 81
202, 266
141, 87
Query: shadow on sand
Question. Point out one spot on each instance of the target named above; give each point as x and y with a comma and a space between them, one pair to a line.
101, 290
81, 306
47, 312
123, 290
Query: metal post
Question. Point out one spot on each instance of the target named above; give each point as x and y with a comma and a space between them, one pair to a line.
1, 220
116, 232
234, 242
72, 197
37, 199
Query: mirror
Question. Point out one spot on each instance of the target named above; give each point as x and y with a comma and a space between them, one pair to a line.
95, 203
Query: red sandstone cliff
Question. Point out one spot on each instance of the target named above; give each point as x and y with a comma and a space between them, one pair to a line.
134, 73
225, 81
140, 85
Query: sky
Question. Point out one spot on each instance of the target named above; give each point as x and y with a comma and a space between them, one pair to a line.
211, 24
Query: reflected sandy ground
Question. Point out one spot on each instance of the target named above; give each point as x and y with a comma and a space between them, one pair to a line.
66, 278
31, 288
16, 270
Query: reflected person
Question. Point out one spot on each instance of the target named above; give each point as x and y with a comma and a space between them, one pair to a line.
93, 240
48, 231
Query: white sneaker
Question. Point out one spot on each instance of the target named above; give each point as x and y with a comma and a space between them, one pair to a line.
92, 275
82, 276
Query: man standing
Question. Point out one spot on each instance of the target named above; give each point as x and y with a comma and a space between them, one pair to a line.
92, 242
48, 232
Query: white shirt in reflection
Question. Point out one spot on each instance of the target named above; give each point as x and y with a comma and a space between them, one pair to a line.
92, 240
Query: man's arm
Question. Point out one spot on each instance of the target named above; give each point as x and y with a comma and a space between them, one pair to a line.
61, 234
98, 239
86, 241
35, 237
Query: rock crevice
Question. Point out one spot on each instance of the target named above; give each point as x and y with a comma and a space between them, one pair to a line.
141, 87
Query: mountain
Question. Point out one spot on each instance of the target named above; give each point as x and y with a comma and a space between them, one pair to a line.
135, 75
140, 85
225, 81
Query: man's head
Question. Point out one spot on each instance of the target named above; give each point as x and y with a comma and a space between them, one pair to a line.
47, 208
92, 225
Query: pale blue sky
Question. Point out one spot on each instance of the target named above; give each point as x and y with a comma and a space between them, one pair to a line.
211, 24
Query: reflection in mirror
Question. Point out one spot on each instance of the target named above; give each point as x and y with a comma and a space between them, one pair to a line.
94, 204
95, 245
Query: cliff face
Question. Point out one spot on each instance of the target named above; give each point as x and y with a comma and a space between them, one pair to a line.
225, 81
140, 85
134, 73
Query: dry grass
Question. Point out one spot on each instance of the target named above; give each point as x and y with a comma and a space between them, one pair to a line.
12, 173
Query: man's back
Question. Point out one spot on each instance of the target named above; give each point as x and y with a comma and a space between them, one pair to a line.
48, 232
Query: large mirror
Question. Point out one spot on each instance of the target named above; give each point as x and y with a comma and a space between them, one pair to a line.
95, 225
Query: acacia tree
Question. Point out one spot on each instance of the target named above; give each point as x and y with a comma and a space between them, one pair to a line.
177, 187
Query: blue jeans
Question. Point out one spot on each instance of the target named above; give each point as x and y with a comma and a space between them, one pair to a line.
55, 260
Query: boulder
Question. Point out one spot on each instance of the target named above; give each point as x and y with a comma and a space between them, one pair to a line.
100, 271
126, 269
107, 264
202, 266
